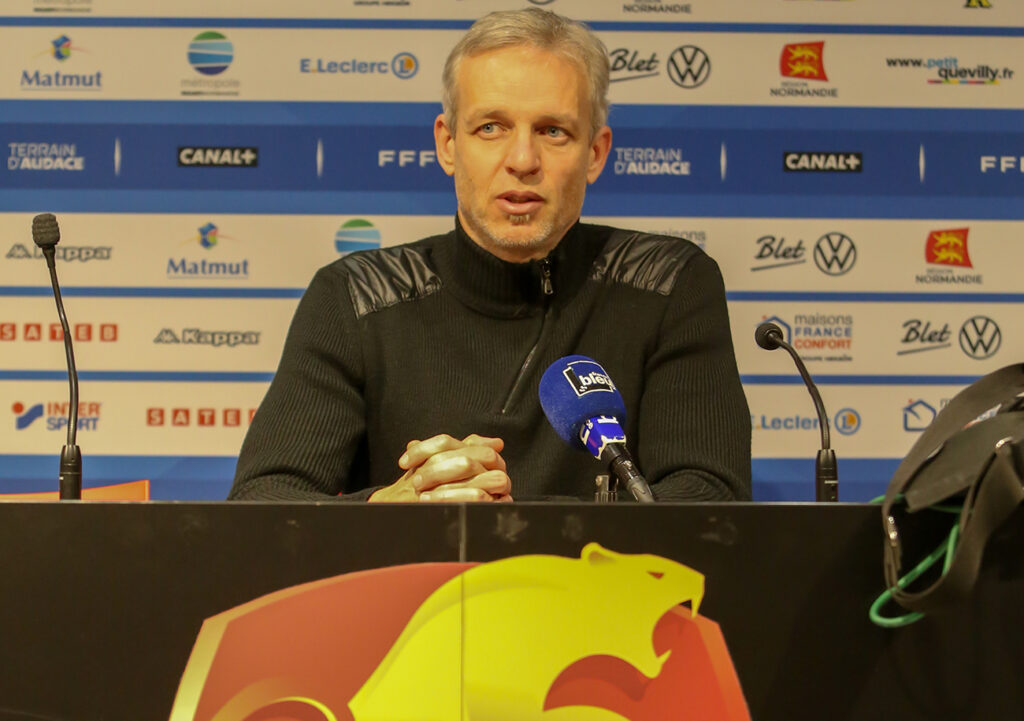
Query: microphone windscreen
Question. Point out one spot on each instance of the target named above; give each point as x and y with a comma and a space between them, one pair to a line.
767, 335
574, 389
45, 232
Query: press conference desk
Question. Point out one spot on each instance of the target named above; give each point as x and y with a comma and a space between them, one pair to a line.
101, 602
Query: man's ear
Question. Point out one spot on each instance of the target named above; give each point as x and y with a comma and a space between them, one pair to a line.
444, 144
600, 146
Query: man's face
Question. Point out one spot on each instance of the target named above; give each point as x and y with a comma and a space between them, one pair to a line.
521, 150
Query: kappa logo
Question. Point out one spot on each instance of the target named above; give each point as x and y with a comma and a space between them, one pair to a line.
835, 254
804, 61
948, 247
980, 337
688, 66
215, 338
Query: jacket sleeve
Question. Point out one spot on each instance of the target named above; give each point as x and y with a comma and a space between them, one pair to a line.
307, 433
694, 424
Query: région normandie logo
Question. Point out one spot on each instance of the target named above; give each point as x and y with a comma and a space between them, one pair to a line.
948, 247
804, 61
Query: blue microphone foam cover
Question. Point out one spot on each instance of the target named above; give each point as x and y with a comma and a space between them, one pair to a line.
574, 389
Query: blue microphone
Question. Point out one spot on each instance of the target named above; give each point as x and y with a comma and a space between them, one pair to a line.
587, 412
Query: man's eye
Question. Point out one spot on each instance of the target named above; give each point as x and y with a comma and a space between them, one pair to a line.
554, 132
488, 128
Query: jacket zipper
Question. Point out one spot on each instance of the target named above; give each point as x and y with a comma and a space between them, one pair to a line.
549, 290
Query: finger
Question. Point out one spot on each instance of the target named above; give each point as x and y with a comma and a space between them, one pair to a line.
416, 452
474, 440
457, 465
457, 495
496, 483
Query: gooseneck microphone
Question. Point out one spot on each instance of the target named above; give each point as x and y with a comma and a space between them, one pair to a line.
46, 235
587, 412
826, 472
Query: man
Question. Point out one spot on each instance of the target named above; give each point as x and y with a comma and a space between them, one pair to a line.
411, 373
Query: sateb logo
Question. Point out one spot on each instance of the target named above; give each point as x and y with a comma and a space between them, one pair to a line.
190, 156
586, 377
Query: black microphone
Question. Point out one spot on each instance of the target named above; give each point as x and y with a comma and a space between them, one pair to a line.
826, 472
46, 235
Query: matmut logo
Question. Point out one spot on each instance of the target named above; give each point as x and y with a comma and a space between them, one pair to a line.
207, 417
948, 247
804, 61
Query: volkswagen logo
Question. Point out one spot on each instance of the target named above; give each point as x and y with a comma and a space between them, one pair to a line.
689, 66
980, 337
835, 253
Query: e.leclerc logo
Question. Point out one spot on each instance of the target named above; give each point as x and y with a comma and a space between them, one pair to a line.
403, 65
61, 50
356, 234
55, 414
210, 54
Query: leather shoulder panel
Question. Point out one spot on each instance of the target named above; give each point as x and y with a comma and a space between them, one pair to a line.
379, 279
644, 261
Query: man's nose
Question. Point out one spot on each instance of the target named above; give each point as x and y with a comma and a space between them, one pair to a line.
523, 157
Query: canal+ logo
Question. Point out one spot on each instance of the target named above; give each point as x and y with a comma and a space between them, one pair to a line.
356, 234
210, 53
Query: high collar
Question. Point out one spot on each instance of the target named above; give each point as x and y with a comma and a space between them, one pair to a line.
502, 289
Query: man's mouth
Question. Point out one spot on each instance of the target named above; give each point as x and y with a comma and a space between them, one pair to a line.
516, 202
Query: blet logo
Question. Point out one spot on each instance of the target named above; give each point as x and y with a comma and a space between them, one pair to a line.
804, 61
924, 337
948, 247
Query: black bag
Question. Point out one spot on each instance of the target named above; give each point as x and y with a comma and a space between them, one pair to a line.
980, 466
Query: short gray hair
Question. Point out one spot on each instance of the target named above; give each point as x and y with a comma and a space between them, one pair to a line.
537, 28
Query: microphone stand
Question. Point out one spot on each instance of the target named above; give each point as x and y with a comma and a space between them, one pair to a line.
826, 469
46, 235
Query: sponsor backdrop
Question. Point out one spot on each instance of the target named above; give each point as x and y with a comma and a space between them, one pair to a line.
855, 166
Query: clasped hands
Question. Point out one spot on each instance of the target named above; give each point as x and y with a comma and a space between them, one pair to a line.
446, 469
